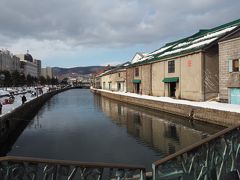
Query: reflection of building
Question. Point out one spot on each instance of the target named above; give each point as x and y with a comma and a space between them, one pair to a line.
27, 65
8, 61
155, 130
47, 72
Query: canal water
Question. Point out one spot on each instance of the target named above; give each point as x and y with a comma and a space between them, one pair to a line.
77, 125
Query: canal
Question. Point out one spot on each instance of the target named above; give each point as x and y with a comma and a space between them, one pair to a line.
77, 125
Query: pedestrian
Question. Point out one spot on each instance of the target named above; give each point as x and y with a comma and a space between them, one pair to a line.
0, 107
24, 99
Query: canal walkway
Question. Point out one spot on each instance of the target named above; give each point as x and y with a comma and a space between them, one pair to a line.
9, 107
206, 104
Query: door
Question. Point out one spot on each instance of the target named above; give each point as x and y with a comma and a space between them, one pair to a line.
235, 95
172, 89
119, 86
137, 88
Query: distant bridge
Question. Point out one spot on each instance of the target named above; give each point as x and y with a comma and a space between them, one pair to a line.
82, 85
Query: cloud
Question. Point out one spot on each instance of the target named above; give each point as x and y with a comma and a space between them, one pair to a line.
54, 25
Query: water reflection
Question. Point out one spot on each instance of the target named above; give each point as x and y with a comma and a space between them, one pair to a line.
76, 125
163, 132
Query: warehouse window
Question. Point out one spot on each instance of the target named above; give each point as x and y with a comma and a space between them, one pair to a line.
137, 71
233, 65
171, 66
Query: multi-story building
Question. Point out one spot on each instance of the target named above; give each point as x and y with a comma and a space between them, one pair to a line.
28, 67
8, 61
47, 72
39, 66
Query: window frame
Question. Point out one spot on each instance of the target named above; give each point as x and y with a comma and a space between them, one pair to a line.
171, 66
235, 69
136, 73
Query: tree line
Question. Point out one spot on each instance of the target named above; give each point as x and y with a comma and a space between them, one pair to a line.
16, 78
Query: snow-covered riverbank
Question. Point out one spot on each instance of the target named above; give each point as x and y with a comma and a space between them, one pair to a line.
207, 104
5, 93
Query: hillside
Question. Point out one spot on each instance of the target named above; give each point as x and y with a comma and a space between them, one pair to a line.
67, 72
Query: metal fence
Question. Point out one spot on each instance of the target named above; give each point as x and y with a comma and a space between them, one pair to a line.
21, 168
214, 158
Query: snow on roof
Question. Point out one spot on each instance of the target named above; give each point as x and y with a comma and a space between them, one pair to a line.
161, 50
139, 57
198, 40
196, 45
215, 34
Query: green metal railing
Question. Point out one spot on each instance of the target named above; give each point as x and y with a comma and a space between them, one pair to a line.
21, 168
214, 158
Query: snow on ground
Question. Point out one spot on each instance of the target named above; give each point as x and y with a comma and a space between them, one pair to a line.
7, 108
207, 104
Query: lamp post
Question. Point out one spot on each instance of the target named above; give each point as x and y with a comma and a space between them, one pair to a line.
2, 78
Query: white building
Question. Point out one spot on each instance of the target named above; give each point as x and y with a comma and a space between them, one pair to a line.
8, 61
27, 65
47, 72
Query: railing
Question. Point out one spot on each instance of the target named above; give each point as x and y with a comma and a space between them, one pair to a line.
21, 168
214, 158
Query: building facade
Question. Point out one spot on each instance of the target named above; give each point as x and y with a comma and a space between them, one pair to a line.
47, 72
229, 68
39, 66
184, 69
114, 79
27, 65
139, 79
8, 61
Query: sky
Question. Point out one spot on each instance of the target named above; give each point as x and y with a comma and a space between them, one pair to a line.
70, 33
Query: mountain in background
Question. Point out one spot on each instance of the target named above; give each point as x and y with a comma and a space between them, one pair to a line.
75, 71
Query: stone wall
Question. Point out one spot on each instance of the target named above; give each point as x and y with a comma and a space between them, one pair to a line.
229, 49
12, 124
218, 117
129, 78
146, 77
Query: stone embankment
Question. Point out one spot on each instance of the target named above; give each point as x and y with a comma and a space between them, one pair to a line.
12, 122
214, 116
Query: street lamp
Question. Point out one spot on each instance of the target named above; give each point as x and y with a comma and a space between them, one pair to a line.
2, 78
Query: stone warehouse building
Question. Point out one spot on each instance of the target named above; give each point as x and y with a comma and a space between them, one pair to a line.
229, 67
186, 69
115, 79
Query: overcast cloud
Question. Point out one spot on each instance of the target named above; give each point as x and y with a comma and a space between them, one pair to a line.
91, 32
